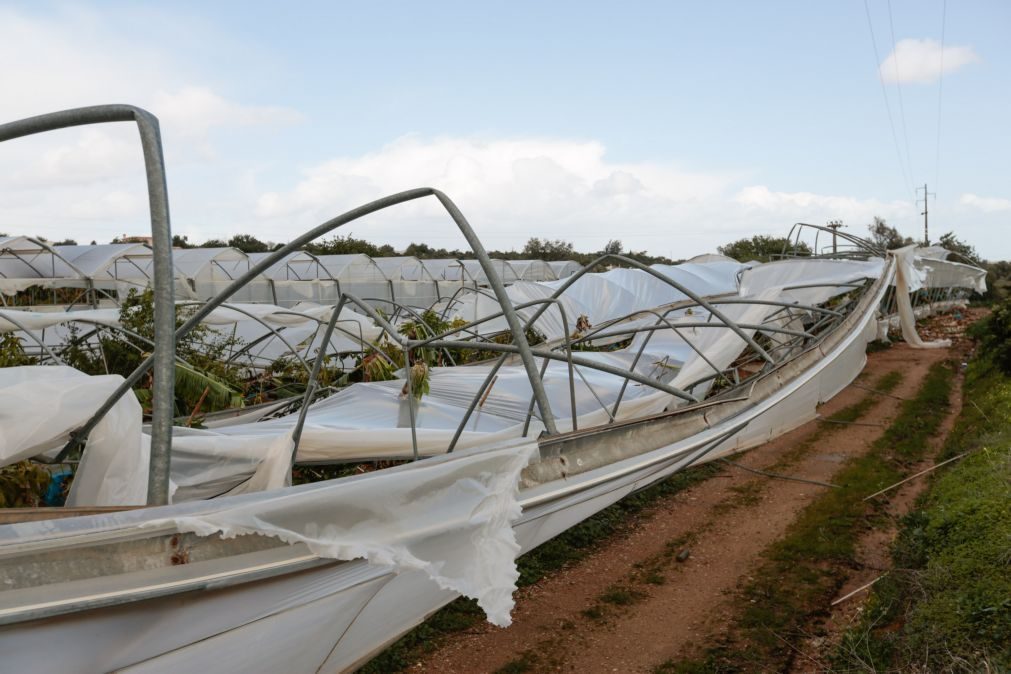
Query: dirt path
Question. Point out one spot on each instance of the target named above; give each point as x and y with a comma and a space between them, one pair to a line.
576, 620
874, 548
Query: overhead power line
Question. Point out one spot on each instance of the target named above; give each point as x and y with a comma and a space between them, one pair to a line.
940, 92
898, 87
907, 181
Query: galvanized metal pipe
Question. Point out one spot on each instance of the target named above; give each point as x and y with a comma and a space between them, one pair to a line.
312, 385
162, 360
38, 340
256, 270
577, 360
669, 281
259, 320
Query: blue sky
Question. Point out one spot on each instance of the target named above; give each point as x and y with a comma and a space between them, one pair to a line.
672, 126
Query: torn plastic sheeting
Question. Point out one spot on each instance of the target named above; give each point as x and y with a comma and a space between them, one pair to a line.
722, 345
603, 296
304, 313
371, 421
449, 517
905, 267
206, 464
947, 274
42, 320
41, 405
808, 272
12, 286
473, 305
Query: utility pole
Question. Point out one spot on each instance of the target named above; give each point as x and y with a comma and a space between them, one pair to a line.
926, 237
834, 225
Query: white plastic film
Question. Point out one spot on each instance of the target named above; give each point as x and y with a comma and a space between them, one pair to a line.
450, 517
41, 405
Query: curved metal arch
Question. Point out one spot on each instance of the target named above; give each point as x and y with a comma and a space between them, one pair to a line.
669, 281
49, 249
416, 317
618, 332
661, 318
484, 319
161, 235
98, 327
523, 347
860, 242
359, 337
582, 362
38, 340
259, 320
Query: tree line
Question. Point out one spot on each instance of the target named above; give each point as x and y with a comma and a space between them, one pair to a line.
759, 248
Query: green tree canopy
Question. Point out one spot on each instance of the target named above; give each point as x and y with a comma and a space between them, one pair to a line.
548, 249
613, 247
349, 245
762, 248
956, 245
248, 243
885, 236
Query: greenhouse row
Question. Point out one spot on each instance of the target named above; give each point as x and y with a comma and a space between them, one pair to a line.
34, 272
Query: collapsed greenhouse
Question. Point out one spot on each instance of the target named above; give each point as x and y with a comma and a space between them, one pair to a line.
507, 410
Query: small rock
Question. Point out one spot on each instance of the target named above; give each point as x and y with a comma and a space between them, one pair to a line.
684, 555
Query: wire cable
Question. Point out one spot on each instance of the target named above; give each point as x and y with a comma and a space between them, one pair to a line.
940, 92
898, 87
908, 186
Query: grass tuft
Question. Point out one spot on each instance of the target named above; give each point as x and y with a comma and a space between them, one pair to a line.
526, 662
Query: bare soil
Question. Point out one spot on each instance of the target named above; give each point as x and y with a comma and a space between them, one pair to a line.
563, 623
873, 549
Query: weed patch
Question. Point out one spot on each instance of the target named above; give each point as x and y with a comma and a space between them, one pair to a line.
526, 662
621, 595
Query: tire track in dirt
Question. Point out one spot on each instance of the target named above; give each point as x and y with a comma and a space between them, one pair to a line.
732, 516
873, 553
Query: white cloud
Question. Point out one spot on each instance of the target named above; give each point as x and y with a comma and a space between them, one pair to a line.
985, 204
73, 57
502, 185
192, 111
512, 189
96, 154
115, 203
924, 61
815, 208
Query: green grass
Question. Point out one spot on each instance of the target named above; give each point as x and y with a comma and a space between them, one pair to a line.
621, 595
921, 416
886, 384
878, 345
526, 662
803, 571
947, 604
744, 495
